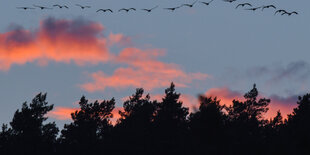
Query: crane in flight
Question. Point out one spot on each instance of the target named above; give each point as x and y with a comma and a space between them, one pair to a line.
190, 5
206, 3
82, 7
104, 10
243, 5
25, 8
42, 7
127, 10
268, 6
61, 6
149, 10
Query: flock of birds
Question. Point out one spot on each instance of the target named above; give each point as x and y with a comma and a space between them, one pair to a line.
190, 5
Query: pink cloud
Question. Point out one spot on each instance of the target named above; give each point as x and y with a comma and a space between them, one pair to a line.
284, 104
144, 70
62, 113
78, 41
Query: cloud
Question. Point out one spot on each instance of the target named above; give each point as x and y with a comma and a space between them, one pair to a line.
284, 104
225, 95
297, 70
83, 42
143, 70
79, 41
62, 113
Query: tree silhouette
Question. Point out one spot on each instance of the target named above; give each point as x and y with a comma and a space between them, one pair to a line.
171, 132
207, 127
5, 140
90, 124
160, 127
298, 127
246, 134
134, 128
29, 134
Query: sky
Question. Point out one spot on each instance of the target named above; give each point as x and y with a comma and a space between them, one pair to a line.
214, 50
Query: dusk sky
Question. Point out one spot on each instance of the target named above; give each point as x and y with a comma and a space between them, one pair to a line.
214, 50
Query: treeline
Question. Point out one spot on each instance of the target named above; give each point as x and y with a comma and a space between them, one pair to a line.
149, 127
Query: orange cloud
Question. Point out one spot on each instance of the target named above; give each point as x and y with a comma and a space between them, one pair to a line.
78, 41
62, 113
144, 70
225, 95
284, 104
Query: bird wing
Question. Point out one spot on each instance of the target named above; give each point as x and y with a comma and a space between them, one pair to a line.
185, 5
295, 12
194, 2
238, 5
154, 7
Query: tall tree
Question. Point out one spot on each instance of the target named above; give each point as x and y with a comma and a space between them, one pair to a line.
30, 135
246, 122
134, 128
90, 124
298, 127
207, 127
171, 123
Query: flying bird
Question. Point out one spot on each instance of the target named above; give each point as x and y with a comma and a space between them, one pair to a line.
25, 8
290, 13
207, 3
279, 11
61, 6
243, 4
104, 10
42, 7
189, 5
253, 9
230, 1
172, 9
268, 6
127, 10
149, 10
82, 7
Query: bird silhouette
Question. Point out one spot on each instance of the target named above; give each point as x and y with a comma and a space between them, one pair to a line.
42, 7
172, 9
189, 5
230, 1
104, 10
243, 4
61, 6
268, 6
149, 10
253, 9
279, 11
25, 8
289, 13
127, 10
207, 3
82, 7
